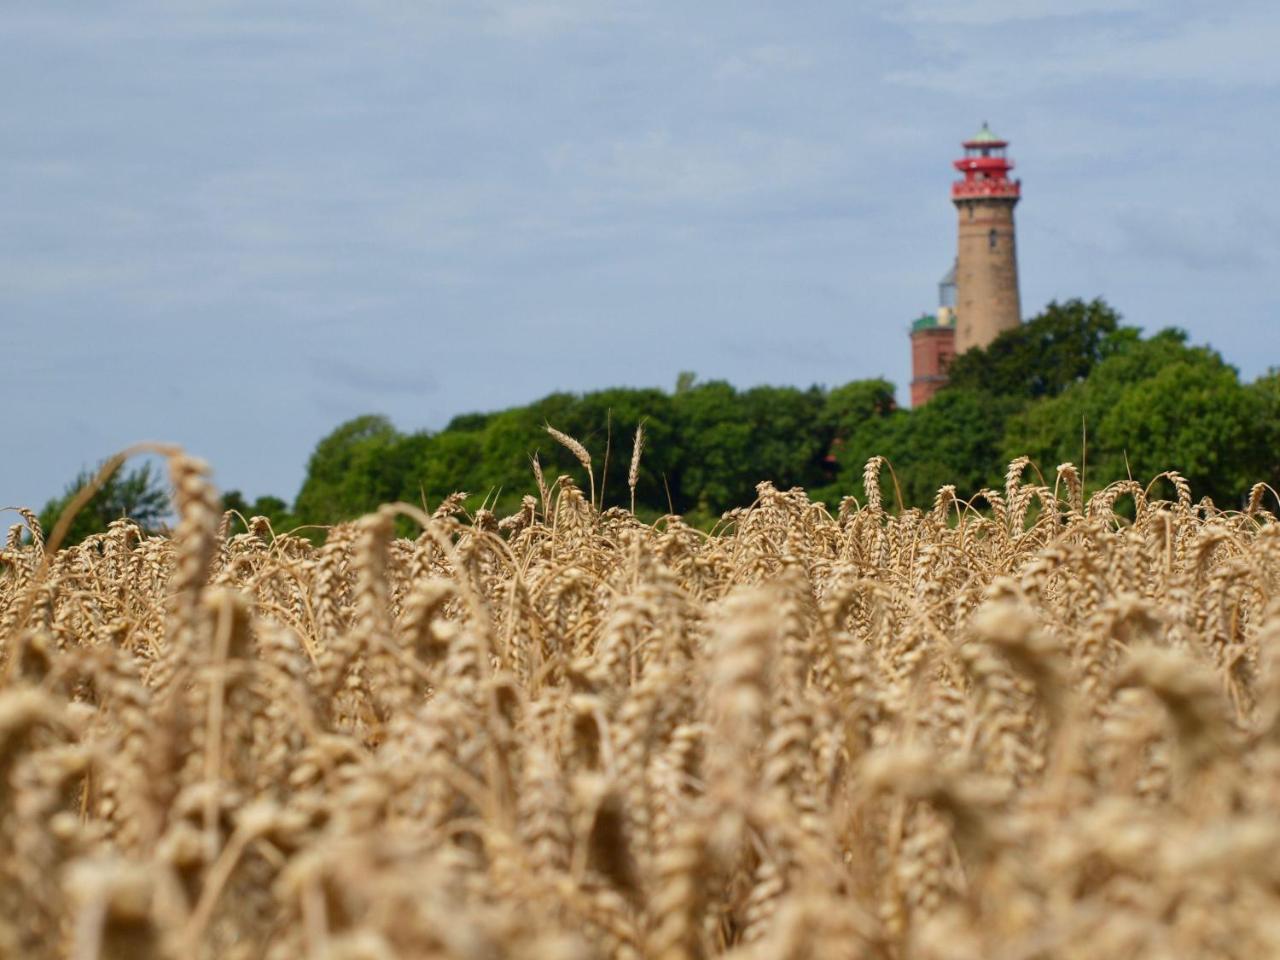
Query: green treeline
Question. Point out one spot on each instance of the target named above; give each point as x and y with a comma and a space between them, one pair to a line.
1072, 384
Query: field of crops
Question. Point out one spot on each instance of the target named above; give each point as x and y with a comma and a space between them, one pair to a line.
1021, 727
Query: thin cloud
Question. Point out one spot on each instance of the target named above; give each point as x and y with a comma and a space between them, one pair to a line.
383, 378
541, 18
1193, 239
764, 61
659, 167
988, 13
1238, 50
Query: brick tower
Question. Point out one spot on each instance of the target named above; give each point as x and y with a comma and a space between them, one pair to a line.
986, 257
933, 344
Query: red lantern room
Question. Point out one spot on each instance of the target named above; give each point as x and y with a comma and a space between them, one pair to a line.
986, 167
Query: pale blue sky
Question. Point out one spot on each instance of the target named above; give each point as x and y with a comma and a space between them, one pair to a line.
233, 225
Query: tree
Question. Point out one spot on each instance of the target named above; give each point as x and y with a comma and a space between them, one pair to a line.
468, 422
847, 408
1043, 356
448, 464
719, 469
1267, 390
955, 438
1195, 417
607, 420
137, 495
336, 486
1155, 405
603, 421
789, 436
512, 436
731, 441
1148, 405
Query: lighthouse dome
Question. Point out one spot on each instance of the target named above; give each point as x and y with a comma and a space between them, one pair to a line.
985, 135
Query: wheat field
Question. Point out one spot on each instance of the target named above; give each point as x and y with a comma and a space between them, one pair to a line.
1021, 727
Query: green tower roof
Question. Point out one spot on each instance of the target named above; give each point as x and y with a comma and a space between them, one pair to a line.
985, 135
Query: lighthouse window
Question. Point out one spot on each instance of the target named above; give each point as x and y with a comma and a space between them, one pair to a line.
991, 239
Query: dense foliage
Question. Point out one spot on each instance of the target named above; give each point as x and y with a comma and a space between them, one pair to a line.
1072, 384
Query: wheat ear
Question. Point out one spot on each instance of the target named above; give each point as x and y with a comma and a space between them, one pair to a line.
633, 475
579, 451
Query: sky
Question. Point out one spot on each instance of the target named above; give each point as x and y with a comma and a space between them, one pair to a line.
234, 225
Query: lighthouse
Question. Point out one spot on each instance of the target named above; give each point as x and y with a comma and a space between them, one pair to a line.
987, 301
978, 298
